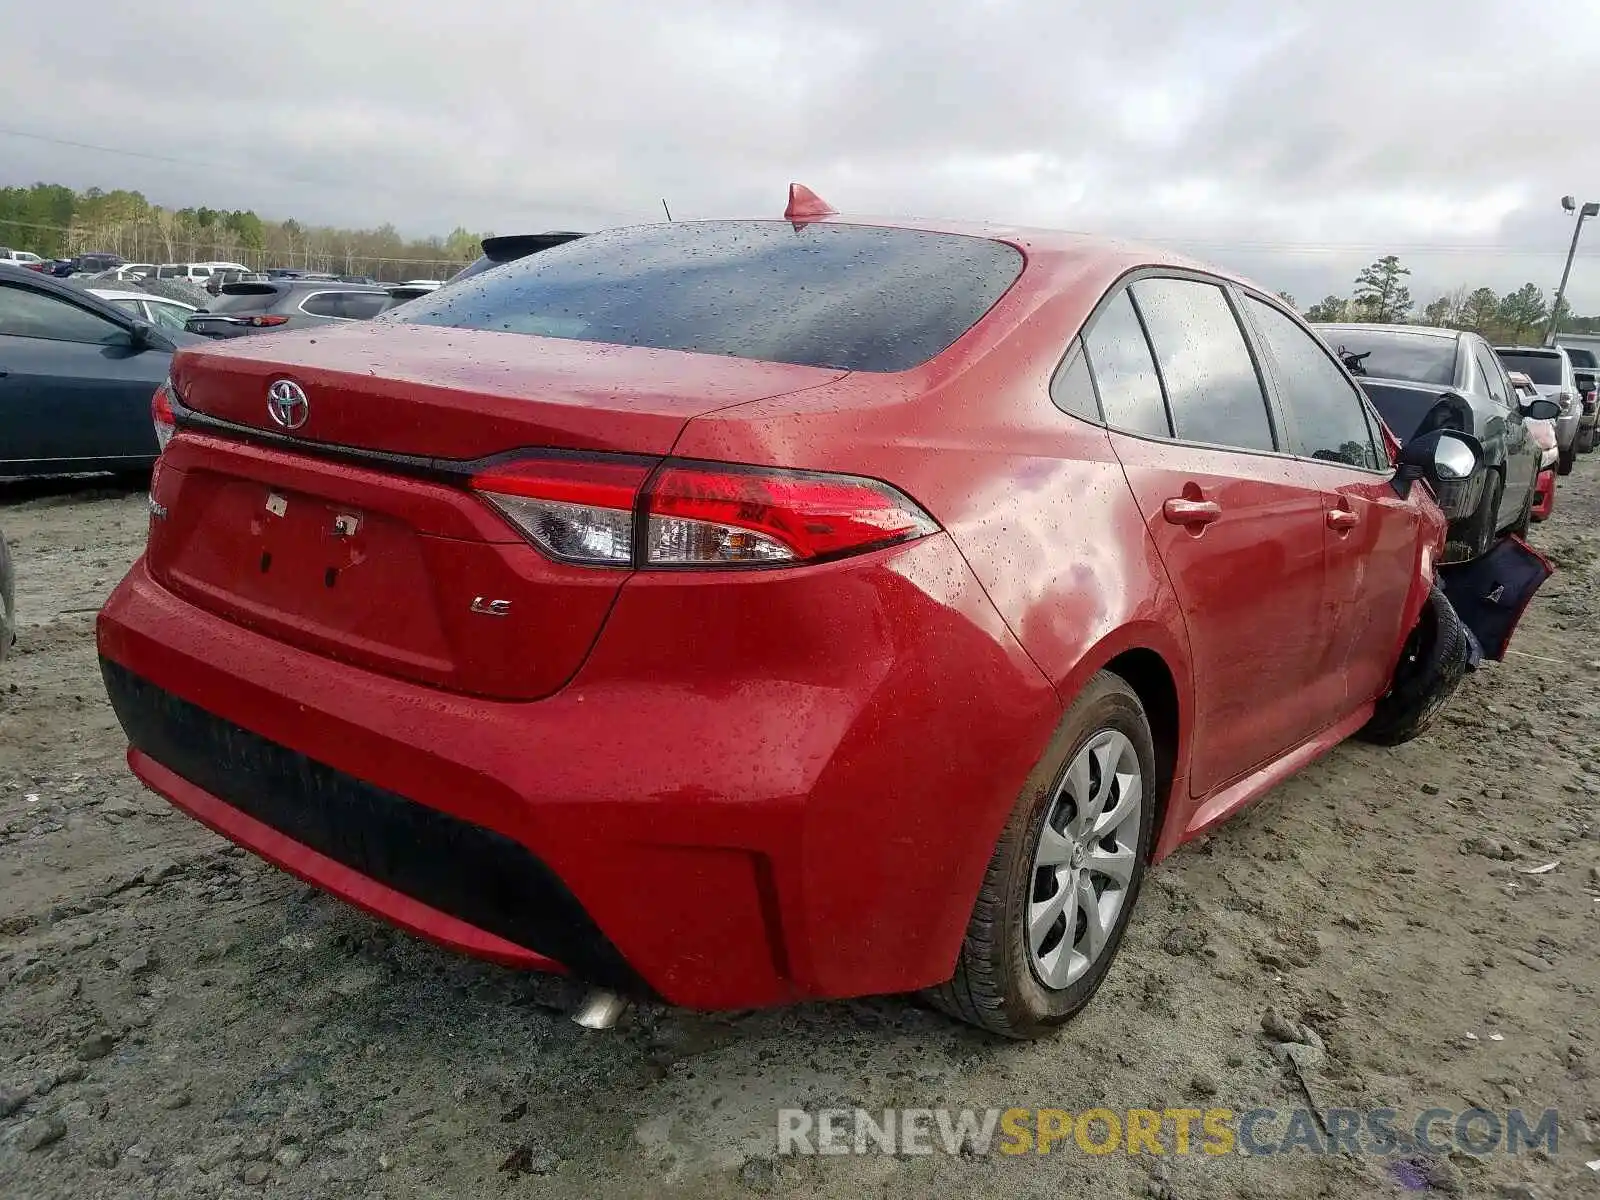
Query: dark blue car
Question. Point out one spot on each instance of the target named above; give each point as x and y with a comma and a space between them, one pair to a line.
76, 377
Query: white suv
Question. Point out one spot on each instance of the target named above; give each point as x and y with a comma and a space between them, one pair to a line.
19, 258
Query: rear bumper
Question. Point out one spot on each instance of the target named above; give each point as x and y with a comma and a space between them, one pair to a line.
1544, 494
781, 805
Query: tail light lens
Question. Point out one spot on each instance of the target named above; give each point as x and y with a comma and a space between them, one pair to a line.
268, 320
575, 510
161, 415
621, 513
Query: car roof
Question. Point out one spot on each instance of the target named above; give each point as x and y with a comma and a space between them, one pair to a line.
121, 294
1419, 330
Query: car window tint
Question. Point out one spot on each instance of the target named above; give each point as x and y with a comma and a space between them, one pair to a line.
853, 297
1210, 378
1072, 391
1541, 366
1124, 372
323, 304
26, 313
1394, 354
1493, 378
362, 306
1326, 417
169, 316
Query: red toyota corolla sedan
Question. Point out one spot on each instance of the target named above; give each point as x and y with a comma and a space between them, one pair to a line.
740, 612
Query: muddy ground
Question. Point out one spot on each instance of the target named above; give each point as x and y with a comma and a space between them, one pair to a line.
178, 1019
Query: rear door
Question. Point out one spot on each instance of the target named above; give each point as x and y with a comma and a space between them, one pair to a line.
1237, 522
71, 387
1370, 534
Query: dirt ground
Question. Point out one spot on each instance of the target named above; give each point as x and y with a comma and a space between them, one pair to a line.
178, 1019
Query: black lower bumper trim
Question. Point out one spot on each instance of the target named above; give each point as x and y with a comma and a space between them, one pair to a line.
472, 873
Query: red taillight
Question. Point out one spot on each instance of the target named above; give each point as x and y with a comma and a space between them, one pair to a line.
161, 414
705, 515
269, 319
590, 510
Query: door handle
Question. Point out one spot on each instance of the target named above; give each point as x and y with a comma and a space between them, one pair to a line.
1343, 519
1179, 511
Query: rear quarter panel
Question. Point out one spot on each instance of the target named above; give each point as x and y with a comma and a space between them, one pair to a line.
1035, 499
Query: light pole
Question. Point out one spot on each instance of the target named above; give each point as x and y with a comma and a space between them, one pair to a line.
1588, 210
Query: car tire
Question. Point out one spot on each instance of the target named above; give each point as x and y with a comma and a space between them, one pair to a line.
1431, 666
1564, 463
1000, 982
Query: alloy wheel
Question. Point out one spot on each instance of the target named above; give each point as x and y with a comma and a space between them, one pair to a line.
1085, 859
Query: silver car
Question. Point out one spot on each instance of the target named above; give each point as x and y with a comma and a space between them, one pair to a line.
1551, 372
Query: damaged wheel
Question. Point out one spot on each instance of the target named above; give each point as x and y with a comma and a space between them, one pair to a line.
1064, 875
1431, 666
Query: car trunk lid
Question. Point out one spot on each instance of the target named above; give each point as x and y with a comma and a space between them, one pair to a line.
355, 535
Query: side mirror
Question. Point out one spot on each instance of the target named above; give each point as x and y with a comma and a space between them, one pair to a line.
1442, 456
139, 336
1541, 410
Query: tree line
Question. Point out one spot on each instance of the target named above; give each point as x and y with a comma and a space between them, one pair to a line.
56, 222
1381, 296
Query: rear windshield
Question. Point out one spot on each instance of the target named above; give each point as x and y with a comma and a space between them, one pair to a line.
1381, 354
854, 297
1581, 358
1543, 368
244, 297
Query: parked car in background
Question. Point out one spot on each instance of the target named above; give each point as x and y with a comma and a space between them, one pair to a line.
1581, 357
76, 377
1543, 432
1422, 378
283, 272
158, 310
198, 274
228, 275
1584, 378
509, 248
427, 285
1551, 372
746, 611
21, 258
260, 307
127, 271
93, 262
367, 279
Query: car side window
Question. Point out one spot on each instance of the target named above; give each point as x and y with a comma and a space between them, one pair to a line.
323, 304
169, 316
1326, 417
362, 306
1124, 372
1211, 383
30, 314
1072, 390
1493, 378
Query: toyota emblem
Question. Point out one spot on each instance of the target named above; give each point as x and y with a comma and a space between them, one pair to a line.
287, 404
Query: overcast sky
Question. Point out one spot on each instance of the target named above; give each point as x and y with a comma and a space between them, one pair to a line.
1293, 141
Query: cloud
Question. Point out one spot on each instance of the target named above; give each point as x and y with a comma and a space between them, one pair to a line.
1295, 142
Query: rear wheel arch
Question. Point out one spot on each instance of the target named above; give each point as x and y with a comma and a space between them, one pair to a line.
1147, 673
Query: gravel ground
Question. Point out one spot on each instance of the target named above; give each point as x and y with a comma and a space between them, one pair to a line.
178, 1019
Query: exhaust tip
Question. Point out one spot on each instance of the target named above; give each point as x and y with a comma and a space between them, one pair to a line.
601, 1009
